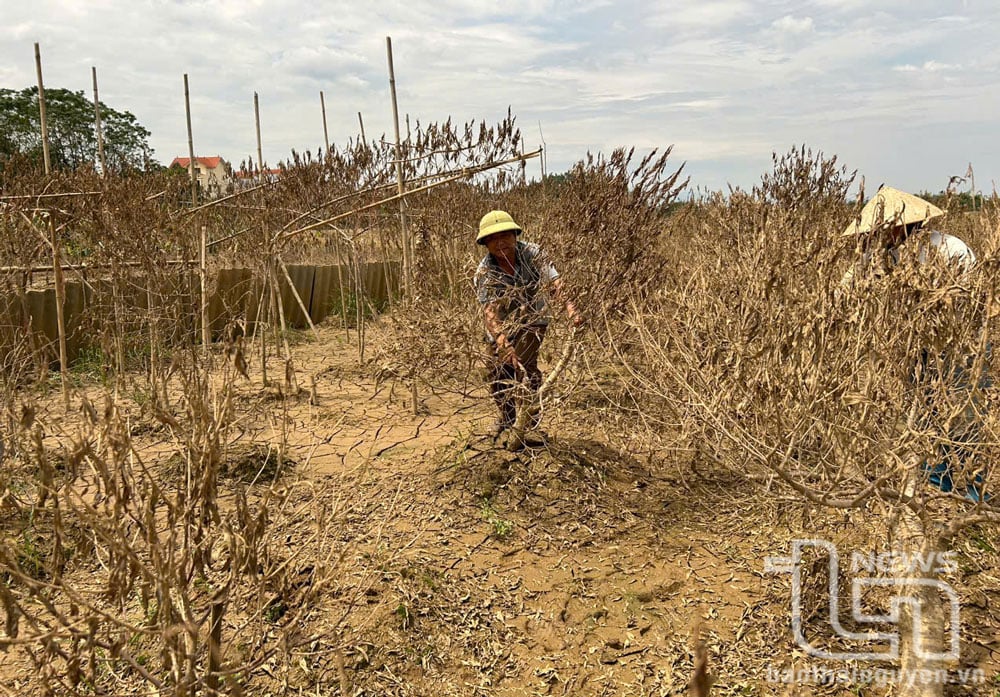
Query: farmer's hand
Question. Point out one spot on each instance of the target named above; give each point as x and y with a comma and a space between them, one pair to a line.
575, 317
505, 351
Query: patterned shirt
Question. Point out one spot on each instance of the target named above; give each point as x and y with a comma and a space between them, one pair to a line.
519, 299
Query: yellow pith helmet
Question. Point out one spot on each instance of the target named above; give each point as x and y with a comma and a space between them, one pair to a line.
494, 222
890, 207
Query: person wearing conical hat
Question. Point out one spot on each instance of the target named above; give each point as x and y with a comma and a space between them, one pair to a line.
891, 226
510, 283
888, 226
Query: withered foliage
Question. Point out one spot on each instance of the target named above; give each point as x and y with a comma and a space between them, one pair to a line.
770, 360
723, 321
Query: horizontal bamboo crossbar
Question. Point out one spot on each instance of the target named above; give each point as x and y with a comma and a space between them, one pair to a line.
25, 197
84, 267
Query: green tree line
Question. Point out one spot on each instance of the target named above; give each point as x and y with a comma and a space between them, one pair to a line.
72, 131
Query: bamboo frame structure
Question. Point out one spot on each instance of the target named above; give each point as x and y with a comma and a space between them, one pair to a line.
463, 174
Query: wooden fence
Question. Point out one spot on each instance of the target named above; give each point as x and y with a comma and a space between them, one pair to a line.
28, 319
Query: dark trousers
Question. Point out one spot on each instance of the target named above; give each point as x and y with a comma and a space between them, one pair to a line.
504, 378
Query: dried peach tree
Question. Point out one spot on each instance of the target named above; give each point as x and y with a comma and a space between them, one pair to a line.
849, 396
600, 224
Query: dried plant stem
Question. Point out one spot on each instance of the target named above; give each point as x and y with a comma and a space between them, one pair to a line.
515, 441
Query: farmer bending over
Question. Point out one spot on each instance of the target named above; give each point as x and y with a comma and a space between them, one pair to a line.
510, 284
893, 226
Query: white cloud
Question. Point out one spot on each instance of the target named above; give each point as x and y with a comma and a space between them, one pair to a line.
930, 66
792, 25
701, 14
726, 80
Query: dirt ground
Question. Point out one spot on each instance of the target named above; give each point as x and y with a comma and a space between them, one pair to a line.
582, 567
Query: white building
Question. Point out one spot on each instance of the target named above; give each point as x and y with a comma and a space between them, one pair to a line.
214, 175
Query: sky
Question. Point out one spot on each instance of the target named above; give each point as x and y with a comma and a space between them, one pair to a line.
907, 92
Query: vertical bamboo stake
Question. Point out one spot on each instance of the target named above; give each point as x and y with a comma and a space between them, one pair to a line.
359, 295
187, 110
60, 311
260, 151
283, 331
56, 262
407, 250
116, 300
972, 177
41, 111
260, 331
400, 184
340, 284
326, 135
541, 159
206, 332
97, 126
361, 122
154, 338
276, 299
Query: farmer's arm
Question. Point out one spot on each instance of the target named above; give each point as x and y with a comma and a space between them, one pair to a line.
494, 326
492, 320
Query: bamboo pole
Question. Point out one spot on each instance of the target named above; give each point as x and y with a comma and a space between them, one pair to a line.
326, 135
56, 262
206, 331
972, 185
541, 160
117, 301
260, 331
41, 112
85, 267
154, 339
224, 199
340, 283
60, 313
260, 151
187, 111
97, 125
400, 184
359, 308
298, 298
67, 194
462, 174
283, 330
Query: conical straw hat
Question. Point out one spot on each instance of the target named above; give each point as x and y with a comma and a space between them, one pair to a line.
891, 207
